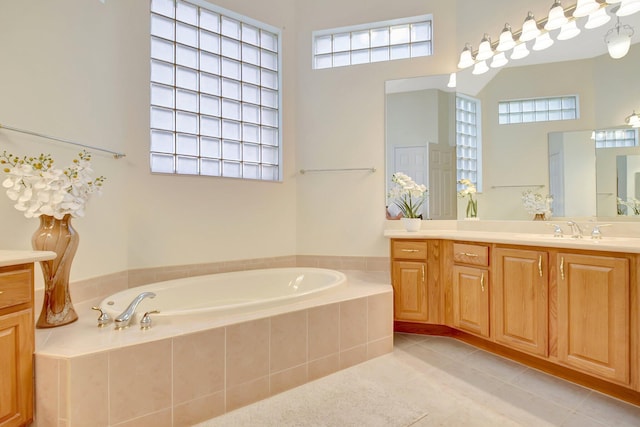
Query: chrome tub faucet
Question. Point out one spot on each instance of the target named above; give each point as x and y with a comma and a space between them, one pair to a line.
576, 231
124, 318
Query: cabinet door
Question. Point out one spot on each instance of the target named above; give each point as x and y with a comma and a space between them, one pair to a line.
520, 299
471, 299
409, 290
16, 371
593, 315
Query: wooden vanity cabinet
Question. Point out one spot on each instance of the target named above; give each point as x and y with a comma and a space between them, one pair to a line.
470, 293
16, 345
520, 299
594, 314
409, 279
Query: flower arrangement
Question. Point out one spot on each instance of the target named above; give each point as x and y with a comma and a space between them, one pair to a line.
537, 204
632, 205
467, 192
407, 195
39, 188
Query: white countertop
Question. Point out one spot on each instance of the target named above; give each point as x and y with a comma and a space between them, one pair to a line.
607, 243
15, 257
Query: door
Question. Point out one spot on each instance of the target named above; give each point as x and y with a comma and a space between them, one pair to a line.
409, 290
471, 299
593, 315
442, 182
520, 299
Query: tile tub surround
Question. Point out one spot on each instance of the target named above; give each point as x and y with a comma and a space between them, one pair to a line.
186, 372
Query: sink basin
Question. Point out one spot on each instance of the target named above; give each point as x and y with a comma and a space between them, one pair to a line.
568, 238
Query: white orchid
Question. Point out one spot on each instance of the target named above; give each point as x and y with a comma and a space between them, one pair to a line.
40, 189
407, 195
468, 191
536, 203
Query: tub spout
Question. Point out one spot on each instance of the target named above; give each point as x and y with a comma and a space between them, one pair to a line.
122, 321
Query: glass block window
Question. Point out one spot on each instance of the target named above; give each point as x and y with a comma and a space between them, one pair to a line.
374, 42
215, 92
614, 138
538, 110
468, 140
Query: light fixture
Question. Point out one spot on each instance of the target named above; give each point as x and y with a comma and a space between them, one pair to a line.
633, 120
484, 49
506, 41
530, 29
466, 57
499, 60
543, 41
597, 19
480, 68
520, 51
628, 7
452, 80
569, 30
585, 7
556, 18
618, 40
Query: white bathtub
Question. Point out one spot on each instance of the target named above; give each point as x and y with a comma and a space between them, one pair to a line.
228, 292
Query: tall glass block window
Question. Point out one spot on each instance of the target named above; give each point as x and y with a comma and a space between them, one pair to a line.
374, 42
215, 92
614, 138
538, 110
468, 140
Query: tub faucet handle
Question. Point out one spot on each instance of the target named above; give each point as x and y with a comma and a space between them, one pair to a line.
145, 322
104, 319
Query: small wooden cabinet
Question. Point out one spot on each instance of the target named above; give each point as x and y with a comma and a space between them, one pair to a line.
409, 279
593, 314
470, 291
16, 345
520, 299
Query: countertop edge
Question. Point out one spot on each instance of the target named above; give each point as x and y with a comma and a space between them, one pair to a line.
15, 257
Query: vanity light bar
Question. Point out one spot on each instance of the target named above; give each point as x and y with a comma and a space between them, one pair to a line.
558, 18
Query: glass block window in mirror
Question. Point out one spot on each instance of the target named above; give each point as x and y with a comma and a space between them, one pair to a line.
215, 92
615, 138
538, 110
373, 42
468, 140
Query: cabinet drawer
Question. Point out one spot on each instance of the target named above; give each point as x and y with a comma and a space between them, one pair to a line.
15, 287
407, 249
464, 253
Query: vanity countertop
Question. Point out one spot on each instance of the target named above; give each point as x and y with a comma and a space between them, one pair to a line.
14, 257
607, 243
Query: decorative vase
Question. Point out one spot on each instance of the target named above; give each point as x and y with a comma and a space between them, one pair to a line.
411, 224
56, 235
539, 217
472, 208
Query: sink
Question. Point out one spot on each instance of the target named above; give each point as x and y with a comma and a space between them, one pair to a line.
585, 239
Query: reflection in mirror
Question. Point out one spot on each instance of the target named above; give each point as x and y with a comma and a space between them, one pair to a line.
628, 178
420, 140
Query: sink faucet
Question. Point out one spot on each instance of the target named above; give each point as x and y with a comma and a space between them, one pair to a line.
122, 321
576, 231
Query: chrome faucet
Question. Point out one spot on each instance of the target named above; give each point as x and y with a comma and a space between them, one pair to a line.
576, 231
122, 321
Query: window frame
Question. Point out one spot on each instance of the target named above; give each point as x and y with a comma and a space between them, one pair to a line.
369, 27
536, 101
478, 148
277, 168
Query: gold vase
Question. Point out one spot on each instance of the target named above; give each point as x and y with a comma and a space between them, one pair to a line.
56, 235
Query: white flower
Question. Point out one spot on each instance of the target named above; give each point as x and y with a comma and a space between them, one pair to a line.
536, 203
40, 189
407, 195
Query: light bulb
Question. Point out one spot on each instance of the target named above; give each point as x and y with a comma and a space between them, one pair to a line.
530, 28
499, 60
597, 19
466, 57
480, 68
520, 51
484, 49
506, 41
585, 7
452, 80
543, 41
628, 7
568, 30
556, 18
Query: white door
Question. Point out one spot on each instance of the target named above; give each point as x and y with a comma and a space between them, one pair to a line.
442, 180
413, 161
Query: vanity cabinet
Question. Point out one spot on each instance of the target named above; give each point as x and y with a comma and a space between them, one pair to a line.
520, 299
16, 345
594, 314
409, 279
470, 293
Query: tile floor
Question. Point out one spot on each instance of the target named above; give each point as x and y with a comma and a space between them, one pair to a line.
435, 381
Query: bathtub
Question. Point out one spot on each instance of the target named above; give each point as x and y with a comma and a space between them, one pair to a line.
228, 292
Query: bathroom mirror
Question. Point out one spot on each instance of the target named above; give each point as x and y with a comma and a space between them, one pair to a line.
515, 157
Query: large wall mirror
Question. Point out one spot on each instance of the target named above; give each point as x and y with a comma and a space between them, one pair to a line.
547, 156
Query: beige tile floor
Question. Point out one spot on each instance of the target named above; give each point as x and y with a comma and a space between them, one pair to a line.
435, 381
